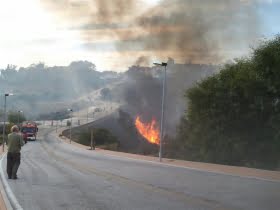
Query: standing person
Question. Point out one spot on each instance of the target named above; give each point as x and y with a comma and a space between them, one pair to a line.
15, 142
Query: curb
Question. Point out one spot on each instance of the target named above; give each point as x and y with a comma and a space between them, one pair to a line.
187, 167
7, 194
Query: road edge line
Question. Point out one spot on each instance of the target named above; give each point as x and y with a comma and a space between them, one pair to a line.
196, 169
10, 197
2, 191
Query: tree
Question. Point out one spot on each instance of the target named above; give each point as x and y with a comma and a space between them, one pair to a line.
16, 117
106, 93
61, 115
233, 117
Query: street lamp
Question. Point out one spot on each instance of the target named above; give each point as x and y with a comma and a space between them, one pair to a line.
162, 108
4, 124
70, 110
56, 117
19, 115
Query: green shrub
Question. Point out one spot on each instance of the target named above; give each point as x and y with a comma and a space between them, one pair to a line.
101, 136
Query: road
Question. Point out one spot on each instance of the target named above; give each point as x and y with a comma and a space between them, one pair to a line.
58, 176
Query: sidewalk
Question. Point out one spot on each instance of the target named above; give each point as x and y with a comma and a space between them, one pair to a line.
209, 167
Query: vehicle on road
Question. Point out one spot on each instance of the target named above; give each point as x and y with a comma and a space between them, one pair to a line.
29, 130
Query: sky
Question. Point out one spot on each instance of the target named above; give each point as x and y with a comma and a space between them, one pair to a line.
117, 34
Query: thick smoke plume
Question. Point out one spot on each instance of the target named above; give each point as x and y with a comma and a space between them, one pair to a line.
192, 31
142, 91
143, 61
106, 11
197, 31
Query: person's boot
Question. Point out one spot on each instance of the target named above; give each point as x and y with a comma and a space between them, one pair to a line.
14, 177
9, 175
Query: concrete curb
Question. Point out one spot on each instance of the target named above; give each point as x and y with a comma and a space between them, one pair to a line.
181, 166
7, 193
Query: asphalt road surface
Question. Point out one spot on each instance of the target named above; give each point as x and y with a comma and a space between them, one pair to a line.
54, 175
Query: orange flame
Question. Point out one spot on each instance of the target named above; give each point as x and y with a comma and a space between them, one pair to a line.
149, 130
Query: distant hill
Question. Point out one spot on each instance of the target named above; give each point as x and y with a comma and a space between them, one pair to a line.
39, 84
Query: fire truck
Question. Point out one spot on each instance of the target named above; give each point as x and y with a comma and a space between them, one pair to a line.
29, 130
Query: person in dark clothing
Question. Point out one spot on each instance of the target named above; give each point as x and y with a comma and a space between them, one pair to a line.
15, 142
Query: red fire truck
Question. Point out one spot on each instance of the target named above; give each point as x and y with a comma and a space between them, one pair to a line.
29, 130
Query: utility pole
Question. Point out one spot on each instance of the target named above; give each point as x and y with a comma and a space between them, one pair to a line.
71, 130
56, 117
162, 109
18, 118
71, 111
92, 145
4, 127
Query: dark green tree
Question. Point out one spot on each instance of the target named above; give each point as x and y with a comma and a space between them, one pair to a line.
233, 117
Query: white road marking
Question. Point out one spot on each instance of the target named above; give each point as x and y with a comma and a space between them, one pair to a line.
7, 188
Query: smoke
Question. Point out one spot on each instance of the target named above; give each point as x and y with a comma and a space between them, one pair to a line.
113, 10
193, 31
143, 61
142, 93
95, 12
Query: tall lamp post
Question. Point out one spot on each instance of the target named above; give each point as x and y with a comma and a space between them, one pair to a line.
162, 109
4, 124
70, 136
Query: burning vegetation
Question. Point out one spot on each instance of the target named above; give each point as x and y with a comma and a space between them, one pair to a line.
149, 131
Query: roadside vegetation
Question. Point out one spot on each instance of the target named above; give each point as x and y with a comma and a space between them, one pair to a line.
59, 115
102, 138
13, 118
16, 117
7, 131
233, 117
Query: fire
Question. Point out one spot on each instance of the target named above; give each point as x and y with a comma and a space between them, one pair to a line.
149, 131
